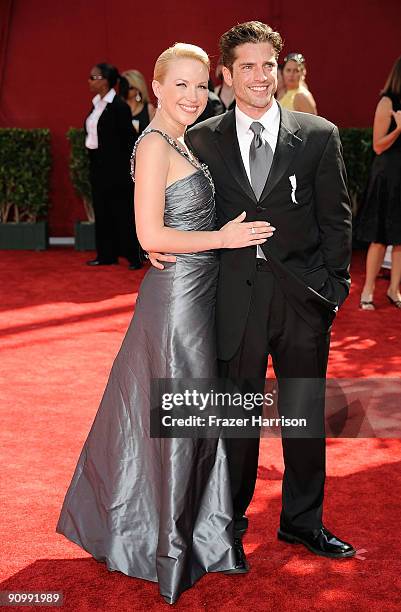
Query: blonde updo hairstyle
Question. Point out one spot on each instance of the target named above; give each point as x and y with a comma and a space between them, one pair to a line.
137, 80
178, 51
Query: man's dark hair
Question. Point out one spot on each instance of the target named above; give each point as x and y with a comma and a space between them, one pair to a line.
248, 32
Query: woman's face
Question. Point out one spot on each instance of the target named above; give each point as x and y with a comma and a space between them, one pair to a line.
292, 73
184, 92
99, 84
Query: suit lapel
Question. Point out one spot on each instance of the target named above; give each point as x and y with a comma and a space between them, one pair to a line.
288, 145
227, 144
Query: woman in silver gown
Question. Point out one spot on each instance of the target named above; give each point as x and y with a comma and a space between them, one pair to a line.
156, 508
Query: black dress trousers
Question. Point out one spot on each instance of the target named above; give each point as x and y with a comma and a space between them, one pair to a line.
299, 354
113, 203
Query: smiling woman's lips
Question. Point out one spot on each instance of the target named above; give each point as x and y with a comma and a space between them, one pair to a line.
189, 109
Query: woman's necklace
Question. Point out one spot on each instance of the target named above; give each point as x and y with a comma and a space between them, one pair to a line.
183, 149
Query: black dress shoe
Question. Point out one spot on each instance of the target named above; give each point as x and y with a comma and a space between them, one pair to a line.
134, 265
99, 262
241, 565
320, 542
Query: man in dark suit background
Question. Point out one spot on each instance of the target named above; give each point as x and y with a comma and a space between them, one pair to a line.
279, 299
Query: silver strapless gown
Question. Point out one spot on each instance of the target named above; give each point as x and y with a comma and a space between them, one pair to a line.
158, 509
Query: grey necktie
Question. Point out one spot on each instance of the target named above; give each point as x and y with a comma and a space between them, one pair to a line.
260, 159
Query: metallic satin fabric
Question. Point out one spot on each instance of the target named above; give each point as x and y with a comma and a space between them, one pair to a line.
158, 509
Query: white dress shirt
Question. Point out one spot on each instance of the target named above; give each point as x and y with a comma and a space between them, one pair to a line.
271, 123
91, 141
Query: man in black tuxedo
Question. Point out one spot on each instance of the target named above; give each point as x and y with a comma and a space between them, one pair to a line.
279, 299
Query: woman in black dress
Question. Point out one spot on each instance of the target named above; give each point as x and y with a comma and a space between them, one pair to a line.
110, 139
379, 221
137, 97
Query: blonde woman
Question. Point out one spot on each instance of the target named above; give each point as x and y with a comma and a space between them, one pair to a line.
137, 98
160, 508
296, 95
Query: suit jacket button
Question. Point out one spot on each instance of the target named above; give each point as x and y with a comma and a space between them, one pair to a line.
248, 282
260, 208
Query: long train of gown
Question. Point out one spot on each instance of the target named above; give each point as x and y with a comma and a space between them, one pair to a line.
154, 508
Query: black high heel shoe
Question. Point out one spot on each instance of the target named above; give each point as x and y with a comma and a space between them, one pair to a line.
367, 304
396, 303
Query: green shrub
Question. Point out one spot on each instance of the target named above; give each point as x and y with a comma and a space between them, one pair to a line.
25, 163
79, 169
358, 155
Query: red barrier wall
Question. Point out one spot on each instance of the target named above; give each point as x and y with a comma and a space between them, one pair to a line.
48, 47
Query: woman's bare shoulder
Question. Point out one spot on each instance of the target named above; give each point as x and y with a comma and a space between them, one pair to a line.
305, 102
154, 147
385, 104
304, 94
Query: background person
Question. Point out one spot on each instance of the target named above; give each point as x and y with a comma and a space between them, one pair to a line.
223, 90
137, 98
110, 139
379, 221
297, 96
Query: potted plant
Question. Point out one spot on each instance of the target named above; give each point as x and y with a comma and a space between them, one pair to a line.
25, 163
79, 173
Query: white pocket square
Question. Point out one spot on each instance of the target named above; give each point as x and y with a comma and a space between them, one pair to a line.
293, 182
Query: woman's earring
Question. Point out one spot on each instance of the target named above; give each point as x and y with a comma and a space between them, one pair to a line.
138, 97
159, 103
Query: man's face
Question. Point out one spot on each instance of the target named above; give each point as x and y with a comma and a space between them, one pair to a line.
253, 78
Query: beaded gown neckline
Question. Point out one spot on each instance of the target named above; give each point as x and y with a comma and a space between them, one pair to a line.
189, 157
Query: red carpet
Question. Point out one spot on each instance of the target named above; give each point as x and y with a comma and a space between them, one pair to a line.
61, 325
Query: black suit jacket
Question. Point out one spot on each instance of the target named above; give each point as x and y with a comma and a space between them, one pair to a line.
110, 162
311, 249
